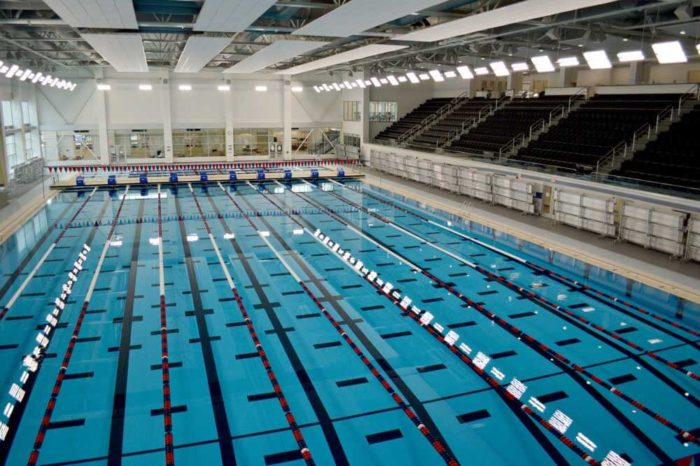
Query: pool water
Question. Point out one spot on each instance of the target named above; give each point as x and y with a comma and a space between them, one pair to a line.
325, 323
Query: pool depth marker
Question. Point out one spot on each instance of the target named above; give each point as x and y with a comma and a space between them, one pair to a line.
60, 377
435, 443
289, 416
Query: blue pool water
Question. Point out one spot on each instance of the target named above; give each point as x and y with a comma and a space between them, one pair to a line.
309, 357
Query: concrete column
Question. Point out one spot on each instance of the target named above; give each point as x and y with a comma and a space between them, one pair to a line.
566, 77
515, 82
286, 118
166, 115
637, 73
228, 122
102, 132
364, 102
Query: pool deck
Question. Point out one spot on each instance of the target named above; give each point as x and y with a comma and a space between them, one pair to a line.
646, 266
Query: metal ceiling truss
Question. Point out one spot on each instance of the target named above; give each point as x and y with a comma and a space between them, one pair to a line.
33, 35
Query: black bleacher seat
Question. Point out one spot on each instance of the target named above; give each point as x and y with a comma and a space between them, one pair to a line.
672, 158
513, 119
464, 113
589, 133
412, 118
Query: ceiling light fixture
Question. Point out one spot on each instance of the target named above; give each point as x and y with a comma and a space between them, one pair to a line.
465, 72
543, 64
260, 88
481, 71
412, 77
520, 66
436, 75
185, 87
145, 87
566, 62
392, 80
223, 87
597, 60
100, 86
499, 69
669, 52
630, 56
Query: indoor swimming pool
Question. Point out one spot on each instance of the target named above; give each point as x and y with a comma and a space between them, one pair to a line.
326, 322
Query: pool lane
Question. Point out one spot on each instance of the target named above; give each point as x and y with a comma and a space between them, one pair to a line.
15, 257
629, 426
161, 246
424, 423
598, 315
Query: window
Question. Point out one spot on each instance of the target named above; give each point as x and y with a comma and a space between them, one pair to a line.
26, 116
351, 139
383, 111
11, 150
28, 149
198, 142
351, 110
256, 141
7, 119
137, 143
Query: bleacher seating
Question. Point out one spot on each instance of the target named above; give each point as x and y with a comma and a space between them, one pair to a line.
672, 158
466, 112
588, 134
412, 118
500, 128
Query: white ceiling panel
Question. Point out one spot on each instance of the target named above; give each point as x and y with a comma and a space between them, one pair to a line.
230, 15
199, 51
277, 52
111, 14
123, 51
345, 57
511, 14
360, 15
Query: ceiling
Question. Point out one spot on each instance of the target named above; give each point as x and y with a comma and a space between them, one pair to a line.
78, 37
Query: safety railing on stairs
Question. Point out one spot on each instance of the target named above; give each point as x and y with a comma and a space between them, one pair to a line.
619, 150
581, 92
416, 129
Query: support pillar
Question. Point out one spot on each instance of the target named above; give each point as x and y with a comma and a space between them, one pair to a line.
102, 132
166, 116
228, 122
287, 118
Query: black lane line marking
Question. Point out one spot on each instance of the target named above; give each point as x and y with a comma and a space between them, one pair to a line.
384, 436
473, 416
350, 382
399, 383
620, 379
262, 396
330, 344
570, 341
79, 375
604, 402
223, 430
116, 432
32, 252
387, 336
310, 391
554, 396
29, 386
431, 368
503, 354
283, 457
462, 324
520, 315
65, 424
174, 409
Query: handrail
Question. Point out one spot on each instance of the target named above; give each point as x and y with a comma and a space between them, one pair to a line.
610, 156
662, 116
557, 109
511, 145
694, 92
581, 91
430, 118
645, 128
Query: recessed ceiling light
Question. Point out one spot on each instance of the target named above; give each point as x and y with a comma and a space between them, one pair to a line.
361, 83
412, 77
450, 74
465, 72
402, 79
260, 88
543, 64
625, 39
481, 71
223, 87
520, 66
682, 33
392, 80
384, 81
568, 61
669, 52
376, 82
632, 55
100, 87
436, 75
336, 86
499, 68
145, 87
185, 87
424, 76
597, 60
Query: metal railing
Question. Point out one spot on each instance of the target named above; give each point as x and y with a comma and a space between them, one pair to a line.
536, 128
581, 92
610, 156
425, 122
644, 130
